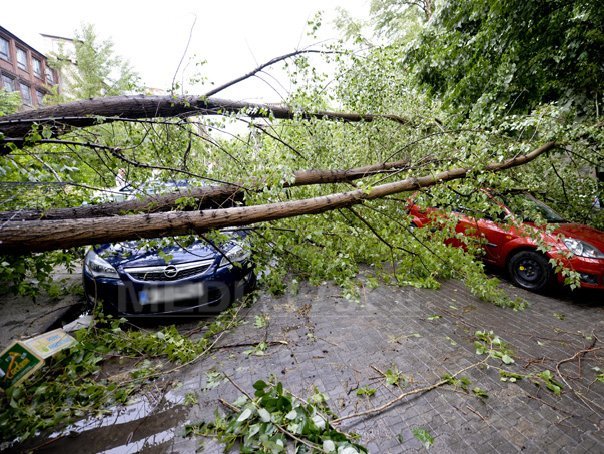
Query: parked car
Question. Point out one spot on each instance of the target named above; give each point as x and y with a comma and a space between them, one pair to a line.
141, 278
509, 240
181, 277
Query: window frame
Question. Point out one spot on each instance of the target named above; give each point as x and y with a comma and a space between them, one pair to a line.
50, 77
27, 99
24, 66
37, 65
5, 56
6, 77
40, 97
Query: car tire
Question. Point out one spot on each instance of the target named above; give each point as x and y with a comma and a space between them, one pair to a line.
531, 270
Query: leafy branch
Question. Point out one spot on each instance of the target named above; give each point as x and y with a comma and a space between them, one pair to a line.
272, 420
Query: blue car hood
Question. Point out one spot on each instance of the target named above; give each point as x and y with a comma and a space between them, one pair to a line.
143, 253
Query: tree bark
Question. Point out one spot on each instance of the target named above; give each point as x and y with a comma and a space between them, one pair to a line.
63, 117
19, 237
205, 197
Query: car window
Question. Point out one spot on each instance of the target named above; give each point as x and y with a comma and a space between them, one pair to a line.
530, 209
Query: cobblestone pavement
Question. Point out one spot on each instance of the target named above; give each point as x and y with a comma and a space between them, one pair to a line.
320, 339
24, 316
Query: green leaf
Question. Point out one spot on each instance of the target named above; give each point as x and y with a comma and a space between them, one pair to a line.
507, 359
329, 446
245, 414
365, 391
265, 416
241, 401
261, 321
423, 436
277, 406
259, 385
550, 383
451, 341
478, 392
190, 399
510, 376
392, 376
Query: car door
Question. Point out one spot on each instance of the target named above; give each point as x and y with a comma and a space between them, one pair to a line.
489, 230
494, 236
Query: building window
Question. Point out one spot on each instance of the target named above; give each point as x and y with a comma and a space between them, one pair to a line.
40, 98
37, 67
21, 59
50, 76
4, 49
25, 94
8, 83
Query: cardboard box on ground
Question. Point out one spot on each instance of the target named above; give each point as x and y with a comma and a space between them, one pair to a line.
23, 357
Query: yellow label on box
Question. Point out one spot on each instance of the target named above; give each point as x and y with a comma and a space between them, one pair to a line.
17, 363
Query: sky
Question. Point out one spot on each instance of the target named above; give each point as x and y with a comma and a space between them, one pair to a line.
233, 36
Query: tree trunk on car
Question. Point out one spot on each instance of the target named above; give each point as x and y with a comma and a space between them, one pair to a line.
18, 237
221, 196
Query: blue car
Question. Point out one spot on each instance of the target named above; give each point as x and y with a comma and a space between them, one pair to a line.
159, 278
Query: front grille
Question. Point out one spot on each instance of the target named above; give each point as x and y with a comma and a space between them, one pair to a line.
158, 273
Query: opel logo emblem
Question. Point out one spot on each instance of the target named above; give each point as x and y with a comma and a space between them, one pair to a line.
170, 271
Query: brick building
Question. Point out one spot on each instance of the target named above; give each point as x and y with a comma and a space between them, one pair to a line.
25, 70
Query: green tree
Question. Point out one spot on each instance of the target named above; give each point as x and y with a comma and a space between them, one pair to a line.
495, 58
333, 245
92, 69
56, 175
505, 66
9, 102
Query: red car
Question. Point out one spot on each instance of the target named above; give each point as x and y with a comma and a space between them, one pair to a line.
509, 241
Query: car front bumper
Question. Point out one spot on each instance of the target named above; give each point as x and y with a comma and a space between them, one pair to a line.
209, 293
591, 271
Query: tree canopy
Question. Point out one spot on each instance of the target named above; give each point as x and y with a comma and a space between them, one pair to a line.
489, 58
90, 68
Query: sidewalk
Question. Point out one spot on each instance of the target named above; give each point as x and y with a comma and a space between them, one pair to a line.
319, 339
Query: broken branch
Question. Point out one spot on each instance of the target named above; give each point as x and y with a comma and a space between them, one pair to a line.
18, 237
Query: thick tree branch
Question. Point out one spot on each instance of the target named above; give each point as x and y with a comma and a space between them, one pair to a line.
63, 117
19, 237
205, 197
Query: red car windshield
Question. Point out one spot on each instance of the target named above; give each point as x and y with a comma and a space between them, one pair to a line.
531, 209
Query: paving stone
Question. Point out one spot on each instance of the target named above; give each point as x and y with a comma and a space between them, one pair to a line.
348, 338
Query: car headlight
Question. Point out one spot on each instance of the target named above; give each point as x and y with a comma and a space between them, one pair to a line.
583, 249
98, 267
236, 254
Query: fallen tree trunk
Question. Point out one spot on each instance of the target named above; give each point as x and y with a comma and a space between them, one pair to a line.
205, 197
62, 117
21, 237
